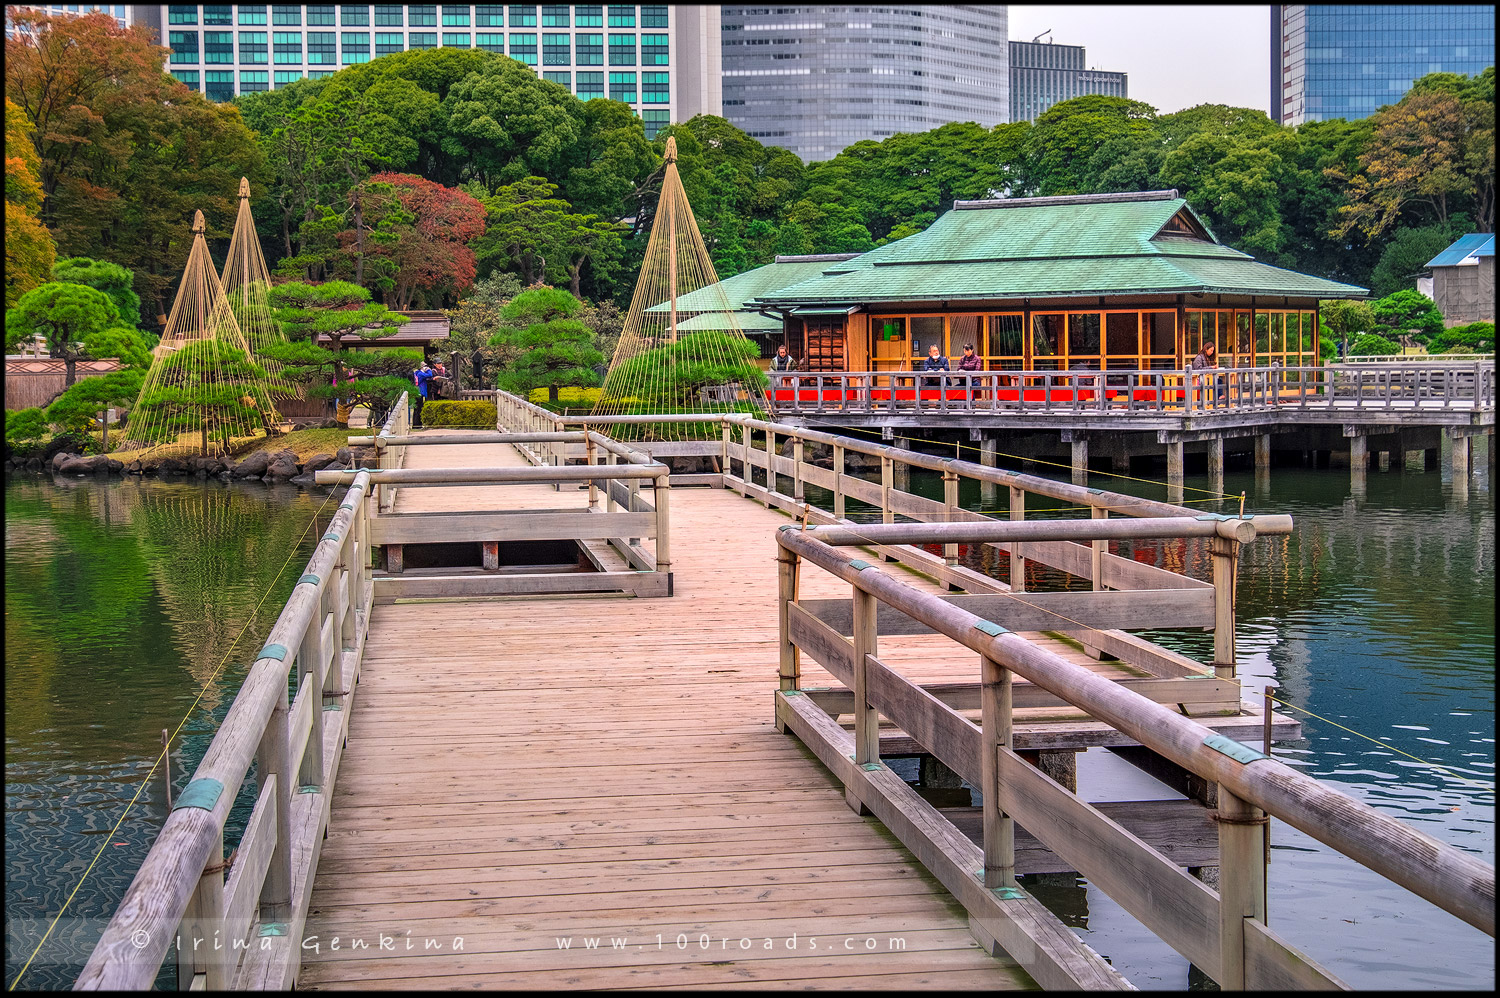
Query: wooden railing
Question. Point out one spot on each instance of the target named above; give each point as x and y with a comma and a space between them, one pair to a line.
1126, 392
613, 471
387, 455
1223, 932
237, 926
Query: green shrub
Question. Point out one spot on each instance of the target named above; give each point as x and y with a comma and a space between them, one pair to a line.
471, 414
567, 398
24, 430
1476, 337
1370, 345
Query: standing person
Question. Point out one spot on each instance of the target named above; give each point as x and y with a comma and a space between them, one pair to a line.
422, 377
783, 361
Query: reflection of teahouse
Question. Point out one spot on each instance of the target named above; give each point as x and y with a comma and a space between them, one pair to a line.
1096, 281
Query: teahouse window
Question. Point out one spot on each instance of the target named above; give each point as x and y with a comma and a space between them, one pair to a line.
1005, 348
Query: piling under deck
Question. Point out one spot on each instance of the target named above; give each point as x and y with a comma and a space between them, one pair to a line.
530, 774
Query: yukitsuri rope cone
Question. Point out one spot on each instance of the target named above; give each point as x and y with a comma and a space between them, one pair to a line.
247, 282
204, 393
672, 359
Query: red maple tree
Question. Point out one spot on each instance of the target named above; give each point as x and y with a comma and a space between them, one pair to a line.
432, 252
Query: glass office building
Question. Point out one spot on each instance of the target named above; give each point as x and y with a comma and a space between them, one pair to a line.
1042, 74
1332, 61
653, 58
818, 79
125, 15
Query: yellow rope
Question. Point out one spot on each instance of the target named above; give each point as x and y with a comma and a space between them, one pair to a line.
1385, 745
165, 748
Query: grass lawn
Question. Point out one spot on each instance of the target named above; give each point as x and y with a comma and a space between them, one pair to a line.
304, 443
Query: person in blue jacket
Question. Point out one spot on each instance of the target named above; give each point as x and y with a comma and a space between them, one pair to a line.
422, 376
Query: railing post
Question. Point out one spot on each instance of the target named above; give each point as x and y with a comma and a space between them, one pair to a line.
202, 947
745, 465
770, 461
312, 659
866, 720
797, 490
593, 459
786, 577
663, 528
609, 497
1100, 548
887, 482
1242, 881
950, 506
995, 720
272, 764
838, 481
1225, 554
1017, 562
724, 449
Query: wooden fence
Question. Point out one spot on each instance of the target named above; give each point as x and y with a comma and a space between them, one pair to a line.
625, 521
33, 382
1223, 932
1455, 385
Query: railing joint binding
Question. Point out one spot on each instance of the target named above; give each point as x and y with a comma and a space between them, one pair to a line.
991, 628
274, 929
1238, 751
278, 652
202, 793
859, 564
1226, 819
309, 788
309, 577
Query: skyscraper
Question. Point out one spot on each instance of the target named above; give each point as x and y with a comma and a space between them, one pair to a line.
653, 58
1042, 74
817, 79
1333, 61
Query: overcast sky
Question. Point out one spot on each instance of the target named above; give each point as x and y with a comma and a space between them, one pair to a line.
1177, 57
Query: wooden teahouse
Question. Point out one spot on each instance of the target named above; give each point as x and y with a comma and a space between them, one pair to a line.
1131, 281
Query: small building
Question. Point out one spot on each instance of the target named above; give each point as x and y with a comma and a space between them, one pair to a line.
1463, 280
1131, 281
725, 305
425, 328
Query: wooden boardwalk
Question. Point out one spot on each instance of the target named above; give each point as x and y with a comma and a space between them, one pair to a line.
534, 773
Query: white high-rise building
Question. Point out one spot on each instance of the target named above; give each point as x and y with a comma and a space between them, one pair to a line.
654, 58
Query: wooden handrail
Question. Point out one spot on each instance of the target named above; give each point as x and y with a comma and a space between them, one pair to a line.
1232, 951
321, 629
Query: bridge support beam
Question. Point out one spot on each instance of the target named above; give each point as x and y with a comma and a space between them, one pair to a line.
1459, 456
1216, 464
1174, 471
1080, 460
989, 450
1359, 461
1263, 452
1383, 460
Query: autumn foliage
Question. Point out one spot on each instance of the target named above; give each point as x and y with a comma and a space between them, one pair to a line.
431, 250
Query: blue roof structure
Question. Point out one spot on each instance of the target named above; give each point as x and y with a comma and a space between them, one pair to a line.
1465, 250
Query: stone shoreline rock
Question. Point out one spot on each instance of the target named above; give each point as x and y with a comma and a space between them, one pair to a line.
278, 466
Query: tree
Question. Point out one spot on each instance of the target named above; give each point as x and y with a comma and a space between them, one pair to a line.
66, 315
525, 222
509, 124
477, 317
1432, 154
371, 378
74, 410
1406, 254
1371, 345
432, 253
553, 348
208, 387
1408, 312
1343, 319
1064, 138
114, 280
671, 375
29, 249
338, 310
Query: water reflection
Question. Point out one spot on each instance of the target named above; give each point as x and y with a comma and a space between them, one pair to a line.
122, 597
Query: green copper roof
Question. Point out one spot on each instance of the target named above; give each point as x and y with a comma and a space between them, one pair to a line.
1054, 247
737, 290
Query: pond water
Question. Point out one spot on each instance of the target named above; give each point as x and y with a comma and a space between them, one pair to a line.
122, 599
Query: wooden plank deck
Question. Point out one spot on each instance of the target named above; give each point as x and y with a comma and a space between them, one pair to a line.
521, 771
